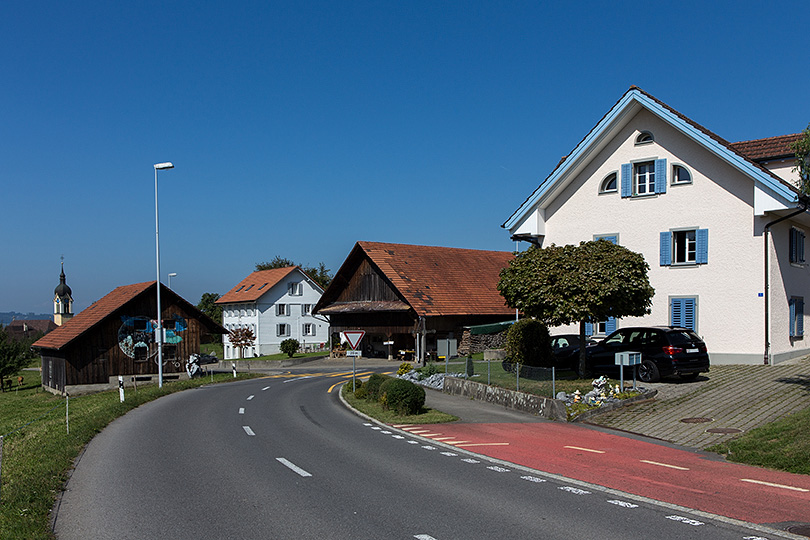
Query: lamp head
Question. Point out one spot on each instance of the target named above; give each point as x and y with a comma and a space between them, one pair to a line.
166, 165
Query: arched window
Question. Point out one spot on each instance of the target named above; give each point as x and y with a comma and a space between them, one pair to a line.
609, 184
680, 175
644, 137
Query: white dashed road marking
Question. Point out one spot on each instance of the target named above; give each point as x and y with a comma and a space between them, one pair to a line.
248, 430
585, 449
533, 479
575, 491
623, 504
251, 396
241, 410
664, 465
686, 520
498, 469
293, 467
760, 482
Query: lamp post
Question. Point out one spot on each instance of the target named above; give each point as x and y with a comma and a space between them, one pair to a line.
159, 329
171, 275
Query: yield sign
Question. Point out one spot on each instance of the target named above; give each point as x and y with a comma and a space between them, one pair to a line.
354, 337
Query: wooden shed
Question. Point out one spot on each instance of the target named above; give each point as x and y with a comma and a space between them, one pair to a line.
115, 336
414, 296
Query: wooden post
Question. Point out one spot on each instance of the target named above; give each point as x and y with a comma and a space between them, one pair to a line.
1, 469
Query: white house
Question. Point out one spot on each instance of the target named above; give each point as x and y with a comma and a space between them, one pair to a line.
276, 305
721, 225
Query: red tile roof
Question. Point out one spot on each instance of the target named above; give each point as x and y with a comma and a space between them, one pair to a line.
92, 316
439, 281
255, 285
767, 149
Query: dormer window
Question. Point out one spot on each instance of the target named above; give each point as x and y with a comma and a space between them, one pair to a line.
645, 137
680, 175
609, 184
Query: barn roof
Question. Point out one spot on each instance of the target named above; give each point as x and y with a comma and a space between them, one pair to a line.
99, 310
433, 281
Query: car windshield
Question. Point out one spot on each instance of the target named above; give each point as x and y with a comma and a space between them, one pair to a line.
682, 337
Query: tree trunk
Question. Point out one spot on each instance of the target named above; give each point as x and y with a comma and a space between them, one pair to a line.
582, 367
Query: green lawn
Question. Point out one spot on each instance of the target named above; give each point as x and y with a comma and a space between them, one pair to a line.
38, 451
375, 410
216, 349
782, 445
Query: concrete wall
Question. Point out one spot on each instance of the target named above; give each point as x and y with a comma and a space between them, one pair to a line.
519, 401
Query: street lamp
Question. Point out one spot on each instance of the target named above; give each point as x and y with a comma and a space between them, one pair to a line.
159, 329
171, 275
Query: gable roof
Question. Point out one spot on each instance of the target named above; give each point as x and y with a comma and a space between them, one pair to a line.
630, 103
256, 284
768, 149
434, 281
106, 306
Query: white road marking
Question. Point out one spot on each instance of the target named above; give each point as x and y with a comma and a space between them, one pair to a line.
686, 520
584, 449
376, 428
483, 444
497, 469
533, 479
443, 438
368, 424
251, 396
398, 436
754, 538
386, 432
664, 465
575, 491
413, 442
623, 504
293, 467
265, 388
241, 410
429, 447
449, 454
470, 460
423, 537
418, 430
298, 378
773, 485
248, 430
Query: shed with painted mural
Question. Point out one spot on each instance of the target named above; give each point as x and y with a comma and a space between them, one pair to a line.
115, 336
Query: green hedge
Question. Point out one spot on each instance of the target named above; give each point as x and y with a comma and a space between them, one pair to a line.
402, 396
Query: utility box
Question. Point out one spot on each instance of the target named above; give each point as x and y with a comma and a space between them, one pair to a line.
628, 358
447, 348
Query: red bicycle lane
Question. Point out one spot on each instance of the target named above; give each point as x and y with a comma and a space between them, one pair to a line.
659, 472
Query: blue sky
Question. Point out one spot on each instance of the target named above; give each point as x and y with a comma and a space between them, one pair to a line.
299, 128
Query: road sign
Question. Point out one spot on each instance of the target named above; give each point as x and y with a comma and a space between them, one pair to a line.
354, 337
354, 353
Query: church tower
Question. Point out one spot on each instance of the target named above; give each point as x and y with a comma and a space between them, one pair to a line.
62, 300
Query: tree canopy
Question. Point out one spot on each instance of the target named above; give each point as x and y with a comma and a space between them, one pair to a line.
586, 283
209, 306
241, 338
320, 273
13, 355
802, 149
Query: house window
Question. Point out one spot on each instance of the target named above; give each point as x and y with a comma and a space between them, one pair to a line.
796, 246
645, 137
306, 309
613, 238
309, 329
683, 312
281, 310
684, 247
609, 184
644, 178
602, 328
680, 175
796, 305
282, 330
296, 289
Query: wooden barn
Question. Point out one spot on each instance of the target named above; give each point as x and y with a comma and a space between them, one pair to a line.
115, 336
414, 296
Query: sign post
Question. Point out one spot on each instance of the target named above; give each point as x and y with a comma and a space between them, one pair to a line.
354, 337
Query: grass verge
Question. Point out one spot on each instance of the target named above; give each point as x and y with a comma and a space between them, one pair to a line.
783, 445
38, 452
376, 411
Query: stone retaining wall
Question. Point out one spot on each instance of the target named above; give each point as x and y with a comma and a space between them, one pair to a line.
546, 407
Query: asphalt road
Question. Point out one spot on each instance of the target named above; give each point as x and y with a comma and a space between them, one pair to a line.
282, 458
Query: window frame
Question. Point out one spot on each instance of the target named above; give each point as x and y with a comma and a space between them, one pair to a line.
295, 288
796, 238
668, 247
614, 176
282, 311
681, 302
644, 137
308, 329
283, 330
649, 178
674, 175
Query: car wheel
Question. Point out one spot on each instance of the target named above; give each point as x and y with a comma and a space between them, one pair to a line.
648, 372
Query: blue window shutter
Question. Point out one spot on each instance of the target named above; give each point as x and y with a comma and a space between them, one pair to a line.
682, 313
660, 175
610, 325
800, 316
792, 249
627, 180
666, 248
588, 329
801, 246
793, 325
676, 312
702, 246
689, 313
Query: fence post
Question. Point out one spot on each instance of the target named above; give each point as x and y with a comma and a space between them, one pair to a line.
553, 382
67, 411
1, 469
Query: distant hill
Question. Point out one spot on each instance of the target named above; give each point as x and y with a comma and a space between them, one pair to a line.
7, 316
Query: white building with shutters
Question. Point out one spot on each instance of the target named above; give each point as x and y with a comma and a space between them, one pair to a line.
721, 225
275, 305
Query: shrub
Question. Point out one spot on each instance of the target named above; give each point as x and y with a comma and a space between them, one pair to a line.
529, 343
404, 397
372, 386
289, 347
404, 368
360, 392
428, 370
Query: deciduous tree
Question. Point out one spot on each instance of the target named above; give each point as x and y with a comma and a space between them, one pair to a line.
13, 356
587, 283
320, 273
241, 338
802, 149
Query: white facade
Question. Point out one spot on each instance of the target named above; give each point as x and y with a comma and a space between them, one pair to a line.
284, 311
703, 238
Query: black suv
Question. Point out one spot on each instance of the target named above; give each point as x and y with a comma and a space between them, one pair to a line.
665, 350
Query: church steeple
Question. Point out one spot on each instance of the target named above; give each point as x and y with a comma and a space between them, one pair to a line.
62, 300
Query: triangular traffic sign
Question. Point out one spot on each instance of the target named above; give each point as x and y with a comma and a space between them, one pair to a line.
354, 337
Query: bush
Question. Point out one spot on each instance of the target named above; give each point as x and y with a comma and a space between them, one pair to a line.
529, 343
289, 347
360, 392
428, 370
404, 397
404, 368
372, 386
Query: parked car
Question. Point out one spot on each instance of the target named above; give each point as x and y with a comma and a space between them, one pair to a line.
565, 349
665, 351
